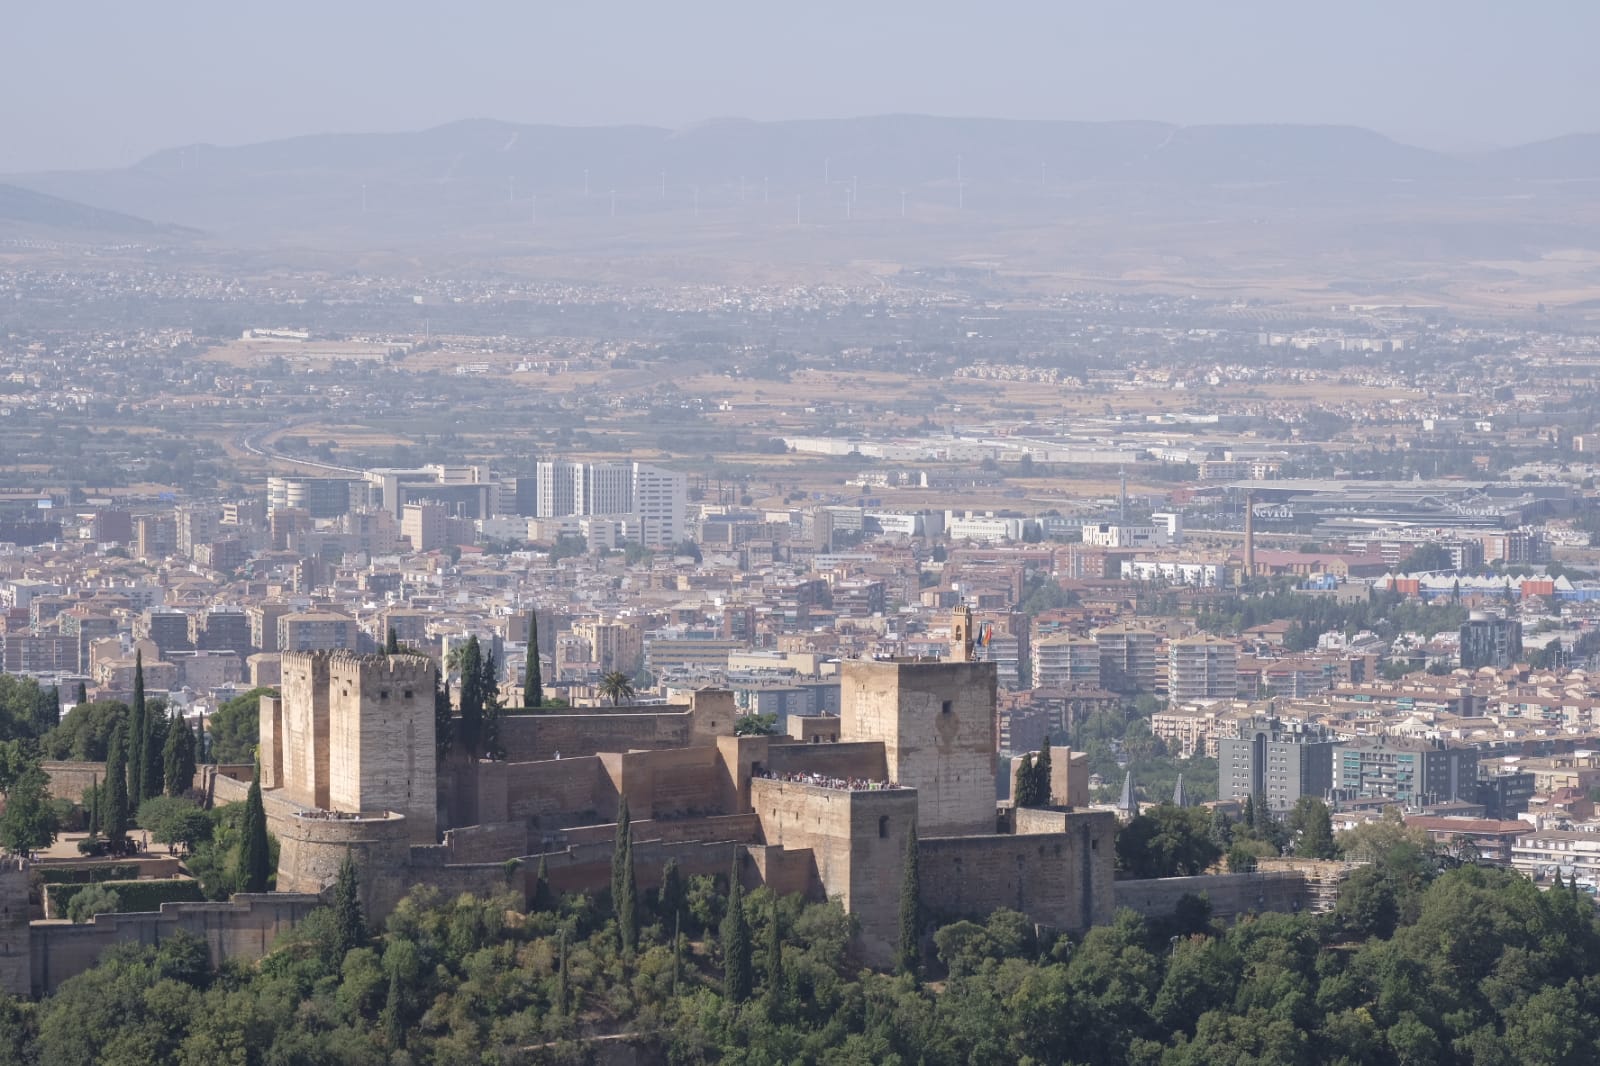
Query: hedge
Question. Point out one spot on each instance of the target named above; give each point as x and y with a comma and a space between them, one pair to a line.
82, 875
132, 895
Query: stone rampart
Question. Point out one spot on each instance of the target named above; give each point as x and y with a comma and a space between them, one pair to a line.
486, 843
537, 737
244, 927
1062, 878
1230, 895
862, 759
312, 846
70, 780
741, 827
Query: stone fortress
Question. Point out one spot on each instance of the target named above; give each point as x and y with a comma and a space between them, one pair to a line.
348, 766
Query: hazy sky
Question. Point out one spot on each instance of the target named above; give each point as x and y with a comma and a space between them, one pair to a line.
98, 84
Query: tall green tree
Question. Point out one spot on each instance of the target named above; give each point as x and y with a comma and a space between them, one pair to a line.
1313, 826
1025, 784
83, 693
737, 976
255, 856
117, 810
137, 732
153, 774
493, 712
178, 757
444, 722
543, 897
776, 996
94, 805
472, 695
624, 889
1041, 775
391, 646
350, 923
533, 678
29, 822
910, 954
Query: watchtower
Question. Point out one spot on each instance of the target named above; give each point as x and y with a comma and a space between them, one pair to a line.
936, 721
381, 739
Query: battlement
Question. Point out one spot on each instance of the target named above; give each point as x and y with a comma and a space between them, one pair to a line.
395, 668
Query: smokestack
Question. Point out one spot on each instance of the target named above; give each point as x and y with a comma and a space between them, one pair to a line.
1249, 534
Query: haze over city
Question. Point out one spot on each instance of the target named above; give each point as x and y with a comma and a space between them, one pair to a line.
894, 534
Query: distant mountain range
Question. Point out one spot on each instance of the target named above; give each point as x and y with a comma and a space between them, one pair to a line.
467, 180
23, 210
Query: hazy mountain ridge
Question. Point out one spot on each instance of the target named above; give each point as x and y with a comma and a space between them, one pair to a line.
28, 208
481, 179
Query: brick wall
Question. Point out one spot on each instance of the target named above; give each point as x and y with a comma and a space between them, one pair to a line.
70, 780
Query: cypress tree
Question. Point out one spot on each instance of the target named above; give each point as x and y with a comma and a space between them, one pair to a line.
533, 678
349, 921
489, 725
444, 724
1250, 811
543, 898
392, 645
624, 891
677, 953
116, 814
394, 1010
1023, 785
671, 897
1041, 775
911, 909
775, 998
83, 693
561, 974
94, 805
152, 775
137, 732
471, 704
736, 969
255, 858
178, 764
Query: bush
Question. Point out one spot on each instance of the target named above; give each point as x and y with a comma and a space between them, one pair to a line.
83, 875
93, 900
132, 895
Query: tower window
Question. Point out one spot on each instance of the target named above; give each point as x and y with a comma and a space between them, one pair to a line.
883, 826
946, 707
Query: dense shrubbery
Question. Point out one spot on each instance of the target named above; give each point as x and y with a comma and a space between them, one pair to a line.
131, 895
1467, 966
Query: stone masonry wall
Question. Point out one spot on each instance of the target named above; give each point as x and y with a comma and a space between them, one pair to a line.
1230, 895
537, 737
937, 725
381, 750
70, 780
244, 927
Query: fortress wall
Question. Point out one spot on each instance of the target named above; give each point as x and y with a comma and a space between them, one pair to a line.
310, 851
539, 791
486, 843
244, 927
537, 737
1059, 869
786, 872
1230, 895
70, 780
665, 783
741, 827
225, 789
858, 843
863, 759
16, 966
587, 868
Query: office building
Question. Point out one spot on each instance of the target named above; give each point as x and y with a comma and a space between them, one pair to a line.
1275, 762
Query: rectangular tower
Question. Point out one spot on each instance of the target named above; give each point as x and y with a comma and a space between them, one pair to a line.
381, 739
937, 725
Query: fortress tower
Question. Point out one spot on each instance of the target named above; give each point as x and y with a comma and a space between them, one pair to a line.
355, 734
936, 722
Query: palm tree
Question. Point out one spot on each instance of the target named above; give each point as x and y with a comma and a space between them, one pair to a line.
616, 687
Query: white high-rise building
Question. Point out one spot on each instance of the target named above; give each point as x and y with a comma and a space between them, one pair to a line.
661, 501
